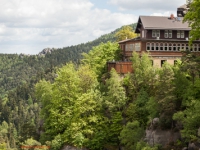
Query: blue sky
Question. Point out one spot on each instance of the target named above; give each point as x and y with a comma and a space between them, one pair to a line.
29, 26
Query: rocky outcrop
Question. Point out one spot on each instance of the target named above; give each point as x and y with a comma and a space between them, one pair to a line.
194, 146
46, 50
161, 137
67, 147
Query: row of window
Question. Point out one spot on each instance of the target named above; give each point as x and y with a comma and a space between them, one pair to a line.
162, 62
171, 47
168, 34
133, 47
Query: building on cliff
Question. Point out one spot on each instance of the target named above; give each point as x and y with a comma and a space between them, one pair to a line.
162, 37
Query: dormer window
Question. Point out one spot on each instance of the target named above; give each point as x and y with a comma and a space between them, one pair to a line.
155, 33
180, 34
168, 33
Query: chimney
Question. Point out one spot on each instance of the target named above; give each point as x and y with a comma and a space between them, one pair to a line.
172, 16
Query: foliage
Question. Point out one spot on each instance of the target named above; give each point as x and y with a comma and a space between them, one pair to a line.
16, 70
144, 146
33, 144
125, 33
193, 18
190, 116
131, 134
56, 142
165, 96
73, 105
98, 57
18, 74
138, 110
79, 109
145, 75
115, 98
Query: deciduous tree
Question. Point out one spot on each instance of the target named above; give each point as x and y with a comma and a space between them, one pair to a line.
125, 33
193, 18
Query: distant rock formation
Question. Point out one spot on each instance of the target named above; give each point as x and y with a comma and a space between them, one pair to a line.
22, 55
47, 50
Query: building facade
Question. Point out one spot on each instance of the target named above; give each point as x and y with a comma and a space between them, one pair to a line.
162, 37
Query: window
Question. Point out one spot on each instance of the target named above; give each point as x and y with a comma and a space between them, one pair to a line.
148, 46
186, 47
195, 47
182, 34
170, 33
178, 47
174, 47
155, 33
127, 47
130, 47
170, 47
178, 34
166, 46
161, 46
152, 46
137, 46
166, 33
182, 46
162, 62
157, 46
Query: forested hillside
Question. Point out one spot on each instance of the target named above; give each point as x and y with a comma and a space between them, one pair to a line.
17, 69
19, 116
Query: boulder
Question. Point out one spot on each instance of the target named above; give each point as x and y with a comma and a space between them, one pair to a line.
162, 137
155, 121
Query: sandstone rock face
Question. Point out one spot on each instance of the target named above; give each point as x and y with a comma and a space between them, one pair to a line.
67, 147
194, 146
155, 121
161, 137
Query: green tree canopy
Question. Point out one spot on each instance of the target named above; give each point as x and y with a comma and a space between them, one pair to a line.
125, 33
100, 55
193, 18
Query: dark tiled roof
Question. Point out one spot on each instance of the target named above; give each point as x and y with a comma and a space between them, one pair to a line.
159, 22
127, 40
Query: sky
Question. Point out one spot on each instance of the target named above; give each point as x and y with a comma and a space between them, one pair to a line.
29, 26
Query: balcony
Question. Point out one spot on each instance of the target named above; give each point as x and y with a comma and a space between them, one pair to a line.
121, 67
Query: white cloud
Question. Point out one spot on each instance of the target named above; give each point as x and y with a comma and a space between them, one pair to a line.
167, 13
147, 5
28, 26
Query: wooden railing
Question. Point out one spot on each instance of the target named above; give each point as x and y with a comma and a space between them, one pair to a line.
120, 66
